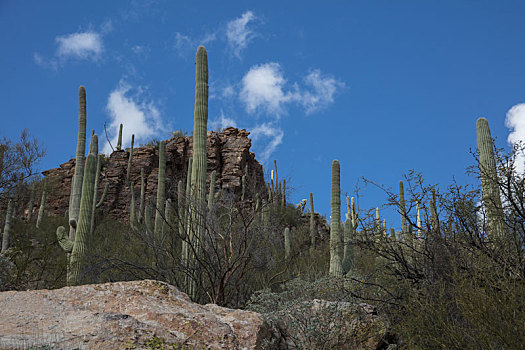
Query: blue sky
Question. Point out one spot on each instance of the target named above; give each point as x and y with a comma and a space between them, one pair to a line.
383, 86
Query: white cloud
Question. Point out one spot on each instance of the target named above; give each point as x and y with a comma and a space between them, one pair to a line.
263, 87
515, 121
238, 34
139, 117
82, 45
323, 90
273, 136
222, 122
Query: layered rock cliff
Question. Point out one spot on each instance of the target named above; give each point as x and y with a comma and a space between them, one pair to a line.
228, 154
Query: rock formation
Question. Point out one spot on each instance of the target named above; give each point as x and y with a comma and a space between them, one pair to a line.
124, 315
228, 154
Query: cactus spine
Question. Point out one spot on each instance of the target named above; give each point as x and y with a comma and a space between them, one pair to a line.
76, 187
7, 226
336, 268
489, 179
119, 142
161, 191
42, 204
128, 172
287, 243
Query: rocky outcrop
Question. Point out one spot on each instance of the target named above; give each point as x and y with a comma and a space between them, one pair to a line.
228, 153
125, 315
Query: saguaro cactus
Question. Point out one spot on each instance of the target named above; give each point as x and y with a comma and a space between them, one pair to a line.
489, 179
119, 142
312, 223
142, 194
336, 268
42, 204
198, 177
80, 245
128, 172
287, 243
7, 226
76, 187
402, 210
161, 191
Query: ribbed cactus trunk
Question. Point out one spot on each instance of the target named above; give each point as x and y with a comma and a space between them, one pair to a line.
42, 207
336, 268
312, 224
489, 180
402, 210
76, 187
166, 223
211, 193
287, 244
161, 193
142, 194
198, 178
130, 159
83, 231
94, 150
132, 215
347, 259
119, 140
418, 219
434, 216
7, 226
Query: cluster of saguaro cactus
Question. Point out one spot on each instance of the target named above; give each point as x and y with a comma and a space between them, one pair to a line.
489, 180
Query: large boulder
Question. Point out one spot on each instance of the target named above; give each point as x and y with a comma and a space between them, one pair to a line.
134, 315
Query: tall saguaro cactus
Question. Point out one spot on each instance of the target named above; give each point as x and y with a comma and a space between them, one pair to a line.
80, 245
287, 243
198, 175
119, 140
489, 179
76, 188
336, 267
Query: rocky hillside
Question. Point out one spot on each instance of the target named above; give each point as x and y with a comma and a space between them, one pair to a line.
228, 153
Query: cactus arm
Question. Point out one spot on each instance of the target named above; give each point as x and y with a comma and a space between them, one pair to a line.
103, 197
63, 239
